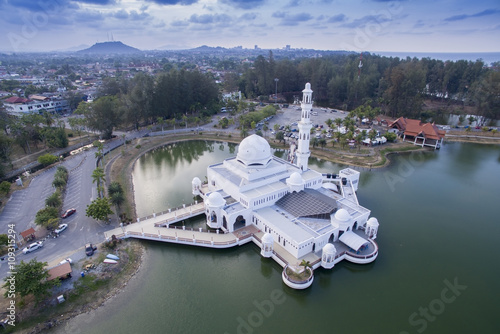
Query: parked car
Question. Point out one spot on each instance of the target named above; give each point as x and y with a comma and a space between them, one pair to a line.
90, 249
68, 213
66, 260
32, 247
61, 228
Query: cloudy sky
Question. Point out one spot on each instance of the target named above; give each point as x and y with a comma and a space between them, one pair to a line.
356, 25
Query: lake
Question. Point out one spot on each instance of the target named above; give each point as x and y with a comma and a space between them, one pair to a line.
437, 269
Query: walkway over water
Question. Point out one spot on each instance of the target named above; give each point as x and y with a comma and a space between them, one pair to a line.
172, 216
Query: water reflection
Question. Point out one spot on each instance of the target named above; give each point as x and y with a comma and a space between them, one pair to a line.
266, 267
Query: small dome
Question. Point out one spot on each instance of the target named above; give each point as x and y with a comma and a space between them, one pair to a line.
196, 182
267, 239
215, 199
308, 88
342, 215
373, 222
295, 179
254, 151
329, 249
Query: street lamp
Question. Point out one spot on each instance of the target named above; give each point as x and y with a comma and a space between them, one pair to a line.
276, 92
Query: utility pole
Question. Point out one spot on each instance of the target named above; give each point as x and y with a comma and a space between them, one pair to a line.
276, 91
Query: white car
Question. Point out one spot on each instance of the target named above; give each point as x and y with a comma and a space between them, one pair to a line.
61, 228
32, 247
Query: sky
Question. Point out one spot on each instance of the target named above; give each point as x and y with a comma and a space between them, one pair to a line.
353, 25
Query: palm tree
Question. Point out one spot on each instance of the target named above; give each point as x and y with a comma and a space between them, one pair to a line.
98, 177
265, 128
338, 122
117, 198
359, 139
329, 122
243, 132
53, 200
161, 121
305, 264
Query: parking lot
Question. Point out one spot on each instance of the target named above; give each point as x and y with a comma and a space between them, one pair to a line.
291, 116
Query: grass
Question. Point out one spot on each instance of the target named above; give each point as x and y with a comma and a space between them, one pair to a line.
390, 150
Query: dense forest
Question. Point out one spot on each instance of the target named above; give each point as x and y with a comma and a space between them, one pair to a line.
397, 86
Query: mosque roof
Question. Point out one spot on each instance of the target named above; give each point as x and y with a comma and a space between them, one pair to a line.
307, 203
254, 151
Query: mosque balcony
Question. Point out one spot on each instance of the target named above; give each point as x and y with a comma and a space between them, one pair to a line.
297, 277
364, 255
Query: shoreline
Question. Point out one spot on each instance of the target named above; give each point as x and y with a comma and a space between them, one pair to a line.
59, 321
150, 143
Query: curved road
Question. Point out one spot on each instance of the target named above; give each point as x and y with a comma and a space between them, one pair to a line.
80, 191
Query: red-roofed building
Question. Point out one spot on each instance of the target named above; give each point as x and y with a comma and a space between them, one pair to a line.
15, 99
418, 133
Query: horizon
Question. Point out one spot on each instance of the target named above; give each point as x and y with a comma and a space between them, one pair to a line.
359, 25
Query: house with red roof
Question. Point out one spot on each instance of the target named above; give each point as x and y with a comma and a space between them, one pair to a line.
419, 133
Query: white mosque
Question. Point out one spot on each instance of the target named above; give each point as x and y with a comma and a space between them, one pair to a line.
302, 214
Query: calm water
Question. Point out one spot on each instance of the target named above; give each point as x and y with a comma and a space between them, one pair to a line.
438, 215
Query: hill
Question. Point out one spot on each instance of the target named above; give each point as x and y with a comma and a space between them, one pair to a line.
110, 48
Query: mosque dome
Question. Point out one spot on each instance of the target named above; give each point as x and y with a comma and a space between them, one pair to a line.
342, 215
267, 239
329, 249
254, 151
295, 179
215, 200
196, 181
373, 222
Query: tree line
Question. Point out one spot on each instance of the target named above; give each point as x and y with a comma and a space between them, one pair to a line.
145, 99
397, 86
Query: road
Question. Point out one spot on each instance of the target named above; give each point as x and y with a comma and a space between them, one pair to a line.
80, 191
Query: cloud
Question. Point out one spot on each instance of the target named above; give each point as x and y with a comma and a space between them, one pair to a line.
209, 18
47, 6
292, 19
98, 2
419, 24
244, 4
122, 14
248, 16
337, 18
279, 15
89, 16
466, 16
173, 2
361, 22
179, 23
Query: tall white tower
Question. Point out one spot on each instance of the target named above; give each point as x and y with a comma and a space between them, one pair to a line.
305, 126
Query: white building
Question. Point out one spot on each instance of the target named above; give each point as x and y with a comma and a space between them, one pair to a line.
299, 209
35, 104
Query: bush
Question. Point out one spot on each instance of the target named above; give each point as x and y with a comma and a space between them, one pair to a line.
138, 146
5, 187
47, 159
44, 216
70, 135
390, 136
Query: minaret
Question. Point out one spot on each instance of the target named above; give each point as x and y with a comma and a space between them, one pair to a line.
305, 126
